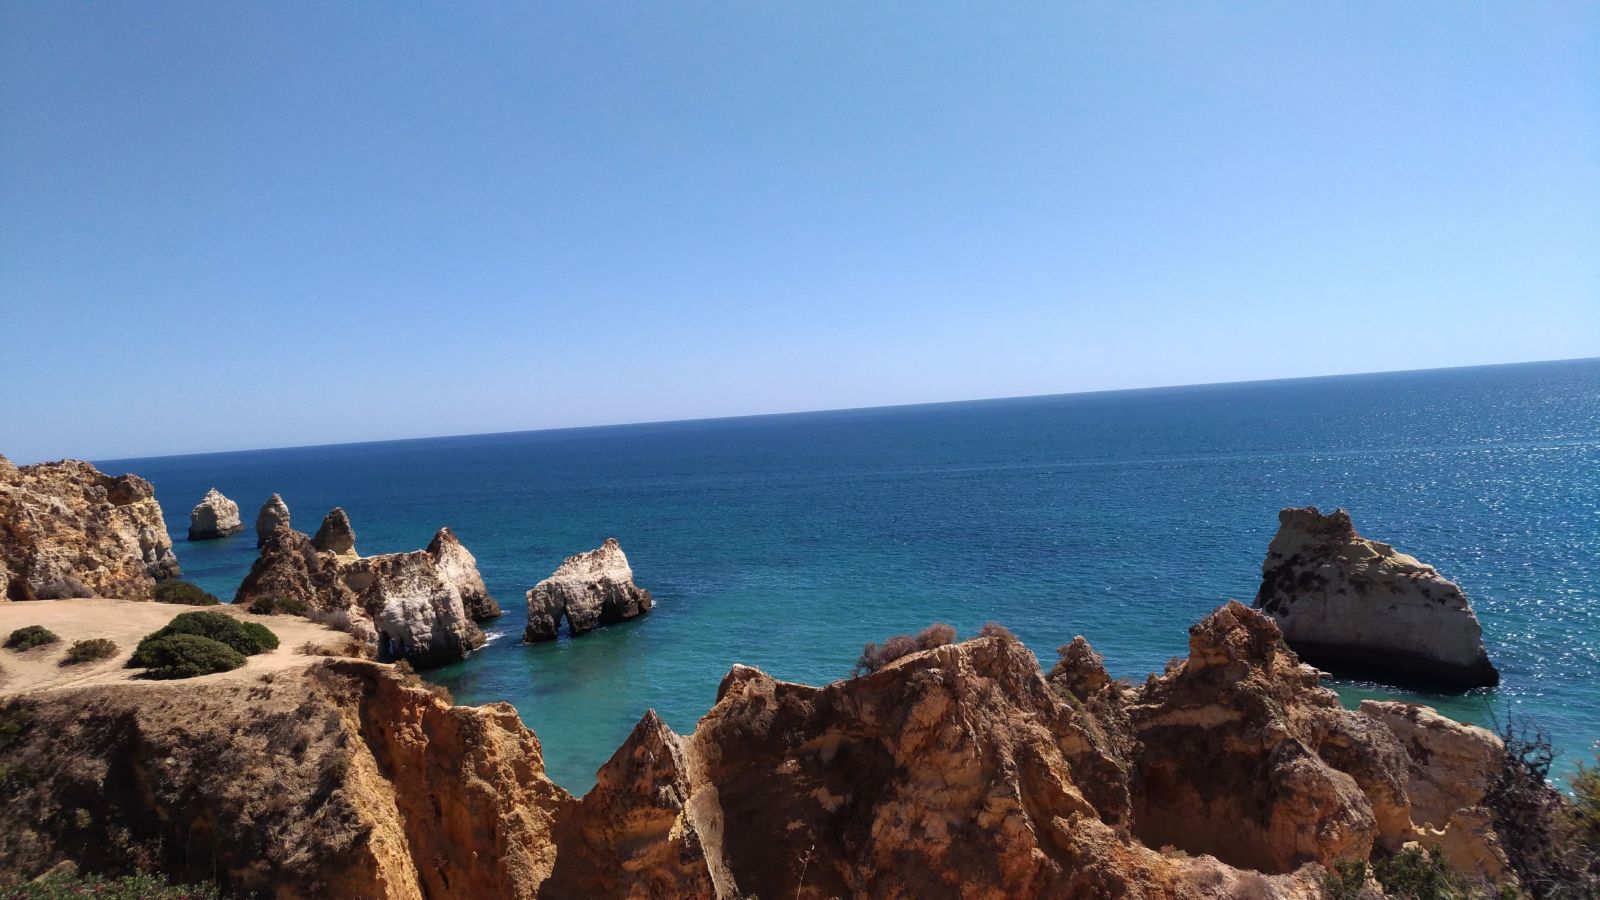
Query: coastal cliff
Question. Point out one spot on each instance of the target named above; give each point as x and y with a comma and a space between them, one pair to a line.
69, 530
1360, 608
961, 770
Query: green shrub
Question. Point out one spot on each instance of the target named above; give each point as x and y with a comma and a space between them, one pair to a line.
128, 887
31, 636
183, 592
248, 638
90, 650
185, 656
1585, 808
274, 606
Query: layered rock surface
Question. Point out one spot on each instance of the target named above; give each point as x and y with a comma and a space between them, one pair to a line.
960, 771
215, 516
422, 606
1359, 608
273, 513
588, 590
336, 535
1244, 756
69, 530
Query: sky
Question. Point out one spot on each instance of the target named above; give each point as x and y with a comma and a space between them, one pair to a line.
230, 225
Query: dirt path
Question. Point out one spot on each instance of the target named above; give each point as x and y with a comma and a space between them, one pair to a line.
126, 622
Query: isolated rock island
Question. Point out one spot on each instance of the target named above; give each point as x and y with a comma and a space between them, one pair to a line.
68, 530
215, 516
588, 590
1358, 608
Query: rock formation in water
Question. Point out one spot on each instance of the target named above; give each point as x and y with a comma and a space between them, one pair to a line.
1359, 608
273, 513
336, 535
460, 568
422, 606
588, 589
957, 771
215, 516
68, 530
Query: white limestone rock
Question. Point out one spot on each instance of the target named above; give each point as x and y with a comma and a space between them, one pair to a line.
215, 516
1359, 608
588, 590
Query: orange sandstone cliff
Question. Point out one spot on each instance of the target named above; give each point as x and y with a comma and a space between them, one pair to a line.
960, 771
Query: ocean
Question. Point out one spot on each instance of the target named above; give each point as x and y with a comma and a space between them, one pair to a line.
787, 541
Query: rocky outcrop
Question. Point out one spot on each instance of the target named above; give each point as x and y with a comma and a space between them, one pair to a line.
422, 606
418, 612
273, 513
215, 516
68, 530
958, 771
339, 780
458, 566
336, 535
1244, 756
588, 590
1452, 767
1359, 608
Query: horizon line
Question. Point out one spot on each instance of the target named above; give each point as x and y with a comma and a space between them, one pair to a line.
841, 409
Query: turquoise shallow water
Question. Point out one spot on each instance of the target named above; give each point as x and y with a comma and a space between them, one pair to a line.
786, 542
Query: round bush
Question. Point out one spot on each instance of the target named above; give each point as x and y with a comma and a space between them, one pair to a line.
183, 592
31, 636
90, 650
273, 606
248, 638
185, 656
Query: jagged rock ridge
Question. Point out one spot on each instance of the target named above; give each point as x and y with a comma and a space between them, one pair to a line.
1359, 608
588, 590
68, 530
422, 606
957, 771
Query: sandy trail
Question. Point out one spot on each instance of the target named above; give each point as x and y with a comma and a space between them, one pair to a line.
125, 622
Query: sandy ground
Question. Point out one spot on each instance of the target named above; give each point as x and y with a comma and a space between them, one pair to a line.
125, 622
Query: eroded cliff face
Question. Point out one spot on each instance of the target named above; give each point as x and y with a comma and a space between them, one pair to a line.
1360, 608
422, 606
957, 771
1244, 756
69, 530
342, 779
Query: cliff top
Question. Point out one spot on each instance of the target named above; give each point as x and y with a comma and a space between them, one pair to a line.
40, 669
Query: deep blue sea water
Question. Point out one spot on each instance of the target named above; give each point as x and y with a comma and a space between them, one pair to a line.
786, 542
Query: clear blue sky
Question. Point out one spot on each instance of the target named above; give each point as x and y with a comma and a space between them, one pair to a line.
233, 225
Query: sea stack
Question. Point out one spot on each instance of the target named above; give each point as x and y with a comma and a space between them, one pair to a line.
1358, 608
215, 516
273, 513
337, 536
589, 589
